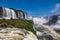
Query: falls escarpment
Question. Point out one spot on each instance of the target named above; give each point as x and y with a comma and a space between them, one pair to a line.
8, 13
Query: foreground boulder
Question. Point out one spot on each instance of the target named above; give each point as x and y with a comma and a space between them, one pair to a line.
16, 34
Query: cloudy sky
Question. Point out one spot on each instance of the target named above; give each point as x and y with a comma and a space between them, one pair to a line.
34, 7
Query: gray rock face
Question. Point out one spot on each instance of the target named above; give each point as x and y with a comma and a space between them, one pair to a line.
16, 34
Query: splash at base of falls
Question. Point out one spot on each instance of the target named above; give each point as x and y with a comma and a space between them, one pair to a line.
47, 28
46, 33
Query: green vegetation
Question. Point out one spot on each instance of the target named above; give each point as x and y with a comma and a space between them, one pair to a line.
18, 23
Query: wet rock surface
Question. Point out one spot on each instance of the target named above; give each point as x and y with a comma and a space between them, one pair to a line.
16, 34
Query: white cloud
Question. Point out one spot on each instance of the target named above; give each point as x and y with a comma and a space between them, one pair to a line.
56, 8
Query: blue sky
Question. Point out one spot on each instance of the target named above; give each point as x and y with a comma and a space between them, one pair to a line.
33, 7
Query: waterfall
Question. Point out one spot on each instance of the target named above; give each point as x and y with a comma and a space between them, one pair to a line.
6, 13
20, 14
25, 15
13, 14
9, 13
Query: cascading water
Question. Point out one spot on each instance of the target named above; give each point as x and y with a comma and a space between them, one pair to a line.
25, 15
13, 14
9, 13
20, 15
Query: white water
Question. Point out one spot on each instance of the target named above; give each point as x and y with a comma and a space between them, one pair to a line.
20, 14
25, 16
8, 13
13, 14
38, 20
